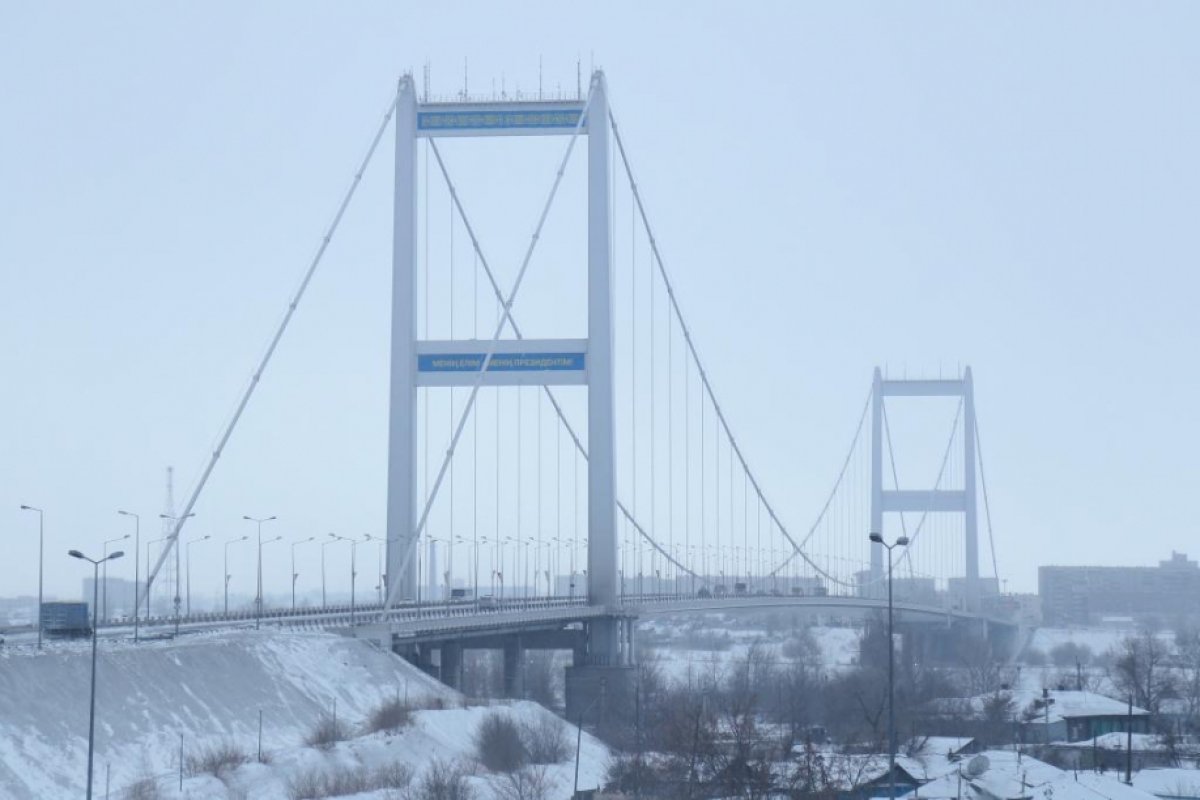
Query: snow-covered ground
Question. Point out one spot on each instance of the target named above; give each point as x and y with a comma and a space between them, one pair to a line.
1098, 640
211, 688
837, 647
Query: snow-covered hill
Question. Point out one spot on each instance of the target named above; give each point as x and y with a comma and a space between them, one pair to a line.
209, 689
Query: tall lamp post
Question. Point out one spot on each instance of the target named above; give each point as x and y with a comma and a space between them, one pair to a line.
95, 600
149, 545
41, 552
137, 578
258, 600
295, 574
104, 594
189, 569
175, 535
261, 604
354, 543
901, 542
227, 575
333, 539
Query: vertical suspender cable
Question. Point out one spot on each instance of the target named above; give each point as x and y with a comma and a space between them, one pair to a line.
508, 319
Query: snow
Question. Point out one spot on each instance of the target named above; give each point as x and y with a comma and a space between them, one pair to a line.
1009, 776
838, 648
1098, 640
211, 688
1118, 740
1169, 782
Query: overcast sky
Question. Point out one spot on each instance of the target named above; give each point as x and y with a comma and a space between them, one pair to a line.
835, 186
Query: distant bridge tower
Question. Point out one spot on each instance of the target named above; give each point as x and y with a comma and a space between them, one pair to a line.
458, 362
933, 500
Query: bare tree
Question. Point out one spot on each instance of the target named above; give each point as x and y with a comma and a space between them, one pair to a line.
1139, 669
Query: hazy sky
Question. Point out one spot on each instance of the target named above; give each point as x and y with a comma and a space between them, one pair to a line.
835, 186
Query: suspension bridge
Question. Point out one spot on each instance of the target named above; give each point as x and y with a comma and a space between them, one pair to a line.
546, 492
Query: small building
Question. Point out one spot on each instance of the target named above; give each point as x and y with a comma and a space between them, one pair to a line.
1039, 717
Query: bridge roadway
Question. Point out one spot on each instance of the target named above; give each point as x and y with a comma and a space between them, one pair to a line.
413, 621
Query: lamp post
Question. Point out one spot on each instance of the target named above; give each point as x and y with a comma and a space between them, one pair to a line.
41, 552
137, 578
189, 570
258, 599
295, 574
901, 542
95, 600
334, 538
227, 575
150, 544
104, 594
354, 543
260, 605
175, 538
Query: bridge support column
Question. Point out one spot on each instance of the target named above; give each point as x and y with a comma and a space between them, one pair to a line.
450, 671
602, 581
514, 668
877, 575
601, 684
402, 413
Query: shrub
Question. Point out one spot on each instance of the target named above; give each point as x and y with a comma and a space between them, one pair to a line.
327, 732
390, 715
545, 740
498, 744
143, 789
396, 775
527, 783
443, 780
321, 782
217, 760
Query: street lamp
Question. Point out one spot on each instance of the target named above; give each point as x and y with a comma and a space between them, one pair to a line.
295, 574
901, 542
175, 539
95, 600
41, 553
189, 570
258, 600
105, 562
227, 575
354, 543
150, 544
333, 539
137, 578
260, 605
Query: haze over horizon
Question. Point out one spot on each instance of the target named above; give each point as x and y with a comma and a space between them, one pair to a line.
833, 188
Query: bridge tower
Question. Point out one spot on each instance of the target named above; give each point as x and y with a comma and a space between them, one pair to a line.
933, 500
416, 363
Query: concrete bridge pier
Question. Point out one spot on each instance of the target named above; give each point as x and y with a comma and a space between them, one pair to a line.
601, 684
451, 664
514, 667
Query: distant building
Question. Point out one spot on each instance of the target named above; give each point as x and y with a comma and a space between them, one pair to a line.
1086, 595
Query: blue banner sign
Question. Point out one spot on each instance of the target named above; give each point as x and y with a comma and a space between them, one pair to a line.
502, 362
497, 120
